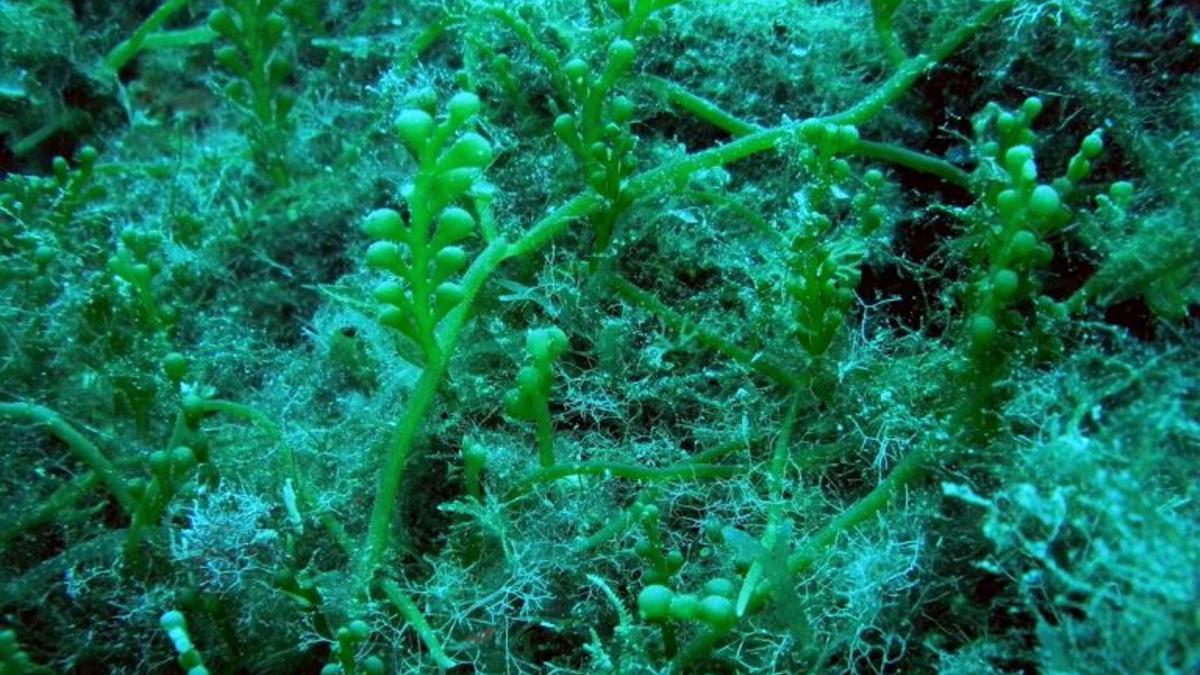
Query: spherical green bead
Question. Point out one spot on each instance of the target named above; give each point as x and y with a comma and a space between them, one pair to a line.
877, 213
621, 54
172, 620
1031, 108
983, 331
474, 456
1078, 169
1016, 157
1023, 244
140, 275
685, 607
545, 344
650, 514
392, 293
278, 70
87, 158
183, 458
385, 224
846, 136
423, 99
622, 109
720, 586
274, 26
450, 260
372, 665
1092, 145
1005, 122
1042, 254
654, 602
358, 630
1028, 173
812, 130
1121, 192
192, 404
231, 59
718, 612
643, 549
1044, 202
8, 641
221, 21
44, 255
414, 126
452, 183
576, 69
518, 404
470, 150
160, 462
394, 317
137, 487
190, 660
463, 106
840, 169
385, 255
174, 365
1005, 283
529, 379
564, 128
447, 295
455, 224
654, 27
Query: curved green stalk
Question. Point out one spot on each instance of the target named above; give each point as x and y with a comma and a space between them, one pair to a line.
909, 470
83, 449
412, 614
701, 107
882, 11
648, 474
62, 499
757, 362
124, 52
238, 410
912, 159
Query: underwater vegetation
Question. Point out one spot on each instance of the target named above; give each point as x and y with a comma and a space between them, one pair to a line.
599, 336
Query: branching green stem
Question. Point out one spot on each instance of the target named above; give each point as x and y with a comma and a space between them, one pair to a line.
649, 182
405, 435
895, 86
